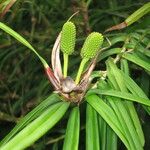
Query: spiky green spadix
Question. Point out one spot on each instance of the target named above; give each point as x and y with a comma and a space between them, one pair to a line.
92, 45
68, 36
89, 50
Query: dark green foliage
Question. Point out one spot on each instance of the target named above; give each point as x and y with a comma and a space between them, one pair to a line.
118, 109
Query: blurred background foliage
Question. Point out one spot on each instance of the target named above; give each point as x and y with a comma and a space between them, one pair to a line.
23, 83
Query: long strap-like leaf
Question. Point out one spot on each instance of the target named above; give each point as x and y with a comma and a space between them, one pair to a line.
31, 116
135, 59
21, 40
92, 133
145, 9
37, 128
126, 107
108, 115
123, 95
71, 141
135, 89
102, 132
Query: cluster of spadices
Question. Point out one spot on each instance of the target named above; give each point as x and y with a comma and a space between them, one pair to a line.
75, 90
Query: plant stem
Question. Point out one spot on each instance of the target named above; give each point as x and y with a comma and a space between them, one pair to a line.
65, 64
82, 64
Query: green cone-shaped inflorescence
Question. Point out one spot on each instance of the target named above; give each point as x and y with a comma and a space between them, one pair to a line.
68, 37
89, 50
91, 45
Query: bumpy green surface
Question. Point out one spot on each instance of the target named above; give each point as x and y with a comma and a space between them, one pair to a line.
92, 45
68, 36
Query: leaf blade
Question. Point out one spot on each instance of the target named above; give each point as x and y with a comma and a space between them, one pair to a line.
31, 116
123, 95
92, 133
135, 59
37, 128
72, 132
108, 115
21, 40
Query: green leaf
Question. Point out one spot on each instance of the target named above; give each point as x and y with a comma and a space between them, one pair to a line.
38, 127
52, 99
111, 139
72, 132
4, 4
145, 83
125, 66
133, 115
102, 132
108, 115
120, 112
135, 89
108, 137
127, 122
135, 59
125, 106
123, 95
141, 56
119, 38
21, 40
92, 133
138, 14
109, 52
113, 74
